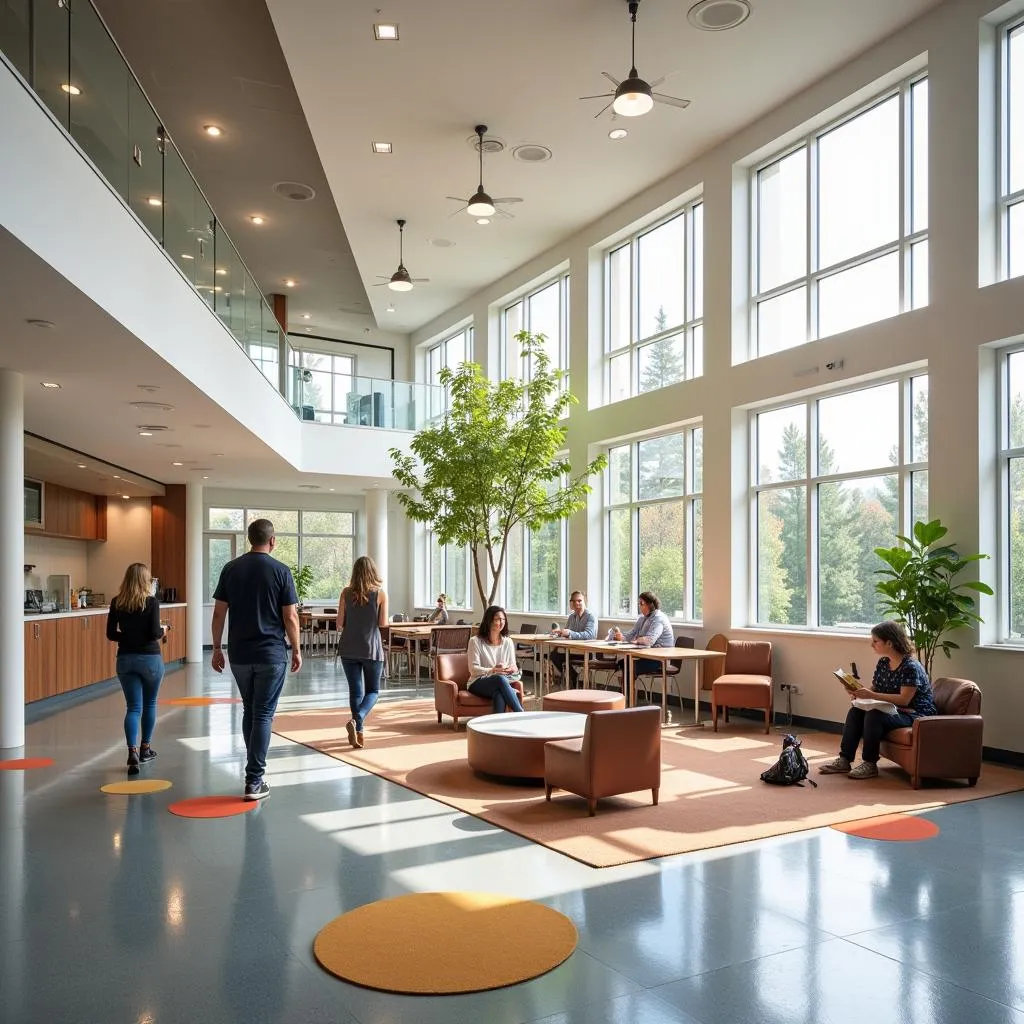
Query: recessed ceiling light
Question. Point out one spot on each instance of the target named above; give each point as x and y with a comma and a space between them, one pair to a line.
221, 271
617, 133
330, 488
381, 147
71, 90
187, 256
483, 220
116, 476
81, 465
390, 309
126, 496
309, 329
212, 129
306, 316
154, 201
718, 15
35, 322
145, 433
206, 478
385, 32
176, 463
289, 283
50, 384
256, 219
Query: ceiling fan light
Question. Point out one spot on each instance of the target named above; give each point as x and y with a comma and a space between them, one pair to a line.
633, 98
480, 205
400, 281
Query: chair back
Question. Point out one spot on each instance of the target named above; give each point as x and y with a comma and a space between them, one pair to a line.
453, 668
444, 638
749, 657
398, 617
461, 622
714, 667
527, 627
956, 696
676, 665
619, 743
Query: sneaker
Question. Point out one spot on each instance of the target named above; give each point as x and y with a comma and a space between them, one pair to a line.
865, 770
837, 766
351, 730
133, 761
146, 754
256, 790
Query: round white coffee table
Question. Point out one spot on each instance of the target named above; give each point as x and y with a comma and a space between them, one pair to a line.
512, 745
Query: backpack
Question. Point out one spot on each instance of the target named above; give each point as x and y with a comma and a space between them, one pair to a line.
791, 769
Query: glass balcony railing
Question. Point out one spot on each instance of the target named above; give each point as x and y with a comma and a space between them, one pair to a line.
64, 52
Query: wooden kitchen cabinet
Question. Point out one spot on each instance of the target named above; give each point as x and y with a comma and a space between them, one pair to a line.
173, 647
40, 659
84, 654
71, 513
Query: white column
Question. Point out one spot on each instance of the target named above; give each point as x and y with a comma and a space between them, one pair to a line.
377, 529
194, 617
12, 560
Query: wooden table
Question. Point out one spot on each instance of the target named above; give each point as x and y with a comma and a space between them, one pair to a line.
306, 620
665, 655
588, 647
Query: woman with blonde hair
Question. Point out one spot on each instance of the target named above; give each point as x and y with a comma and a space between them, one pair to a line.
362, 610
133, 623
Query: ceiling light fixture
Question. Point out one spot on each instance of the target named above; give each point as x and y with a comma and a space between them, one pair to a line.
400, 279
176, 463
81, 465
221, 271
483, 220
385, 32
212, 129
71, 90
381, 147
256, 219
206, 478
187, 256
390, 309
154, 201
50, 384
718, 15
617, 133
117, 476
306, 316
145, 433
126, 496
289, 283
480, 203
309, 330
632, 96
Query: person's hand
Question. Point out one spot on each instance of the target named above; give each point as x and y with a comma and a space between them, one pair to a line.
296, 659
617, 633
863, 694
643, 641
217, 661
561, 632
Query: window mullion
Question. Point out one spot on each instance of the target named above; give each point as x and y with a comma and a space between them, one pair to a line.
811, 250
811, 499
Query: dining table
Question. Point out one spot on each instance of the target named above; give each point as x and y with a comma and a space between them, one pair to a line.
664, 655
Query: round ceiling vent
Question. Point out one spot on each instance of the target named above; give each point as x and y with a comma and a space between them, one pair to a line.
152, 406
491, 144
531, 154
309, 487
294, 190
718, 15
442, 243
153, 428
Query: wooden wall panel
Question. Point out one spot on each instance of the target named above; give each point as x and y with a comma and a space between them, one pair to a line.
168, 536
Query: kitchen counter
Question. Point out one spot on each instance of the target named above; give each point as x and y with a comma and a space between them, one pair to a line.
36, 616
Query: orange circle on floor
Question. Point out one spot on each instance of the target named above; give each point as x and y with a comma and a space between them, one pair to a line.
24, 763
899, 828
199, 702
211, 807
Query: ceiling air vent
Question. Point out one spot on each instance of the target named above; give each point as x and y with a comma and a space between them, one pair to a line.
295, 191
718, 15
153, 428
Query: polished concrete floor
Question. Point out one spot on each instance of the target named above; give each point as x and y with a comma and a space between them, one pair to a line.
114, 911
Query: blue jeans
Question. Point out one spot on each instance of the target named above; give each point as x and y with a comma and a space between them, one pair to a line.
139, 675
363, 678
500, 691
260, 688
871, 727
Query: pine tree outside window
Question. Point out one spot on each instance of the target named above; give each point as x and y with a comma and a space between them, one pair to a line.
821, 508
654, 306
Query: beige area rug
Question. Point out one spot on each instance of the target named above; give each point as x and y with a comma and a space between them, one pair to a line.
711, 793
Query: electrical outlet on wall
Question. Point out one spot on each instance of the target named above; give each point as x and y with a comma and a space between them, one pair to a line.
790, 688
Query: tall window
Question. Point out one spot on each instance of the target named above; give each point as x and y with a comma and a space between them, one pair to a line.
448, 569
449, 352
841, 225
323, 385
821, 508
1011, 447
1011, 170
545, 311
321, 540
535, 568
654, 525
654, 307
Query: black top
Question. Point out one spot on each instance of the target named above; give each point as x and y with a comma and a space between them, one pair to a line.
256, 587
135, 632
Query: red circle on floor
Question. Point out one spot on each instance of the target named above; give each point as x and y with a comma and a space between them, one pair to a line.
24, 763
900, 828
211, 806
200, 702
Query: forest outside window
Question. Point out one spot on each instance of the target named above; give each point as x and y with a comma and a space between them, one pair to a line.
544, 311
1011, 449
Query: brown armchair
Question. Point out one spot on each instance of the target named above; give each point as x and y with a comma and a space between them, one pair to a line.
744, 678
946, 745
620, 752
451, 696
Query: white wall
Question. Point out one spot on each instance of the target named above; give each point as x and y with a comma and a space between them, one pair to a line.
54, 556
129, 539
372, 351
949, 337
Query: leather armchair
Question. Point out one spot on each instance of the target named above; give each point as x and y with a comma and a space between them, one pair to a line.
943, 746
746, 677
451, 696
620, 752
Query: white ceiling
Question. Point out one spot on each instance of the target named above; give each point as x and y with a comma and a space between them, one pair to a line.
519, 67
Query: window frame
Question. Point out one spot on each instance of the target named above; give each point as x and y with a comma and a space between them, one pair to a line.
903, 245
811, 481
429, 591
506, 357
1006, 199
1006, 455
336, 414
692, 323
431, 376
562, 601
693, 570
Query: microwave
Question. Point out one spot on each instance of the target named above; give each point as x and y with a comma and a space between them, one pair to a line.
34, 503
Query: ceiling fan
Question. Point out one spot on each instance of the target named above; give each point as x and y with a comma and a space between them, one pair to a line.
480, 204
400, 281
633, 96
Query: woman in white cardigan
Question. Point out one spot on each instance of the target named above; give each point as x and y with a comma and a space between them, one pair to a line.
492, 662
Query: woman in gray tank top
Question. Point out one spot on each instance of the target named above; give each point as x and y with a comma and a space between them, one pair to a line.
362, 610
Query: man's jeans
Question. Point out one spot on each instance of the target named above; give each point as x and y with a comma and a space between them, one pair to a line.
260, 688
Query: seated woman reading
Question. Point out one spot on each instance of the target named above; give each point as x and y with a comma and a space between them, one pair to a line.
899, 679
492, 662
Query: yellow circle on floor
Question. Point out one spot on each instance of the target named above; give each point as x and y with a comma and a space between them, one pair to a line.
136, 786
444, 942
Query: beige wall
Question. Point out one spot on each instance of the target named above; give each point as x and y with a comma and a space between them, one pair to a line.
129, 539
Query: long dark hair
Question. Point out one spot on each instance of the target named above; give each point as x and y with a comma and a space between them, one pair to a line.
484, 632
893, 633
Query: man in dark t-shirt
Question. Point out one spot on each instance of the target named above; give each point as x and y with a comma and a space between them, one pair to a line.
260, 593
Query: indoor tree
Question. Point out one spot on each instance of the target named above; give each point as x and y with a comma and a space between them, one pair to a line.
494, 460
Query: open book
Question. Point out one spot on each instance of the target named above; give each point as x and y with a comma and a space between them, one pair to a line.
847, 680
866, 704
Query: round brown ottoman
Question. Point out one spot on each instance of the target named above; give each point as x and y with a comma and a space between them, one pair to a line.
512, 745
584, 701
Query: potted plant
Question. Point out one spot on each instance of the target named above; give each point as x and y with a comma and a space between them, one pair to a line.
303, 576
919, 589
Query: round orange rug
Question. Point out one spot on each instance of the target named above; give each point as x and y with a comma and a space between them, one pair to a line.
136, 786
199, 702
445, 942
24, 763
211, 806
900, 828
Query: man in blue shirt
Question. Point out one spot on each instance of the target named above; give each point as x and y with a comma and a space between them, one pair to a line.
260, 592
581, 625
